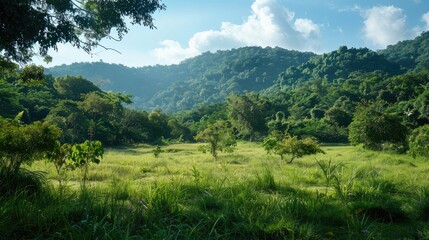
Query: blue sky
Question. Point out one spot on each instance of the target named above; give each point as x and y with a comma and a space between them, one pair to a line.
190, 27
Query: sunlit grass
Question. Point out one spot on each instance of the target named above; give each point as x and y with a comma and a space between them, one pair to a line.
347, 193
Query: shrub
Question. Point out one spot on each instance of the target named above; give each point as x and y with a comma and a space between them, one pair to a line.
373, 128
156, 151
21, 143
418, 142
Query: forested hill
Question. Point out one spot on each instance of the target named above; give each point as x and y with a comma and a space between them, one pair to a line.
211, 77
207, 78
142, 83
338, 66
411, 54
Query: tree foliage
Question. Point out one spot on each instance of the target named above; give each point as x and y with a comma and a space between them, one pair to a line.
283, 144
248, 114
205, 79
82, 111
30, 23
338, 64
419, 142
219, 137
75, 156
9, 100
84, 154
22, 144
59, 156
74, 88
411, 54
157, 151
316, 99
32, 74
375, 129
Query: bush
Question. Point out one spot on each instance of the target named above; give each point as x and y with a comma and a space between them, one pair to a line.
23, 181
319, 129
418, 142
375, 129
21, 143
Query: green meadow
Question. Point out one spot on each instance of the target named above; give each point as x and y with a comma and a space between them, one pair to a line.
347, 193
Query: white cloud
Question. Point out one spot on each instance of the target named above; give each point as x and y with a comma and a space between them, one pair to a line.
425, 18
307, 28
171, 51
384, 25
354, 8
269, 24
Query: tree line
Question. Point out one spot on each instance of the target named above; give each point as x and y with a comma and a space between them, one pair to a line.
348, 95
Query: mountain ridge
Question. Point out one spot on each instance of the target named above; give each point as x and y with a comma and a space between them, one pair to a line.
211, 77
157, 85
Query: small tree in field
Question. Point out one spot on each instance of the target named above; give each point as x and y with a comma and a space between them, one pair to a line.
156, 151
281, 145
419, 142
59, 156
84, 154
69, 157
273, 143
219, 137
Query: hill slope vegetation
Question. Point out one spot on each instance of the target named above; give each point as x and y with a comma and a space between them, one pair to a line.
207, 78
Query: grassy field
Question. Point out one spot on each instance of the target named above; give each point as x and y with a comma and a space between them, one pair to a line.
347, 193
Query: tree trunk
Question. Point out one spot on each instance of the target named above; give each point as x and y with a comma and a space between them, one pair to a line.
214, 150
291, 159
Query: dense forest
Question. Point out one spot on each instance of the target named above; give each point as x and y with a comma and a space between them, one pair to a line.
207, 78
258, 90
80, 109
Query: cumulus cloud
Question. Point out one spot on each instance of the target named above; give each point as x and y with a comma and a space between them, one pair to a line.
384, 25
269, 24
425, 19
171, 51
307, 28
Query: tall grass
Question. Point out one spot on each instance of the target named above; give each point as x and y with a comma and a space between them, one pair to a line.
183, 194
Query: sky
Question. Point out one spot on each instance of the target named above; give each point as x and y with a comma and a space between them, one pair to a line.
188, 28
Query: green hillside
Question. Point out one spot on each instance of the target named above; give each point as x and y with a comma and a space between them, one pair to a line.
212, 77
337, 65
411, 54
142, 83
207, 78
257, 89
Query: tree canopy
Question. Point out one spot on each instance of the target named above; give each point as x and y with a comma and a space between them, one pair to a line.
411, 54
377, 130
419, 142
284, 144
318, 99
219, 137
248, 114
43, 24
21, 144
208, 78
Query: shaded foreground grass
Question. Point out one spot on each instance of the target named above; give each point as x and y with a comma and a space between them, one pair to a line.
349, 193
